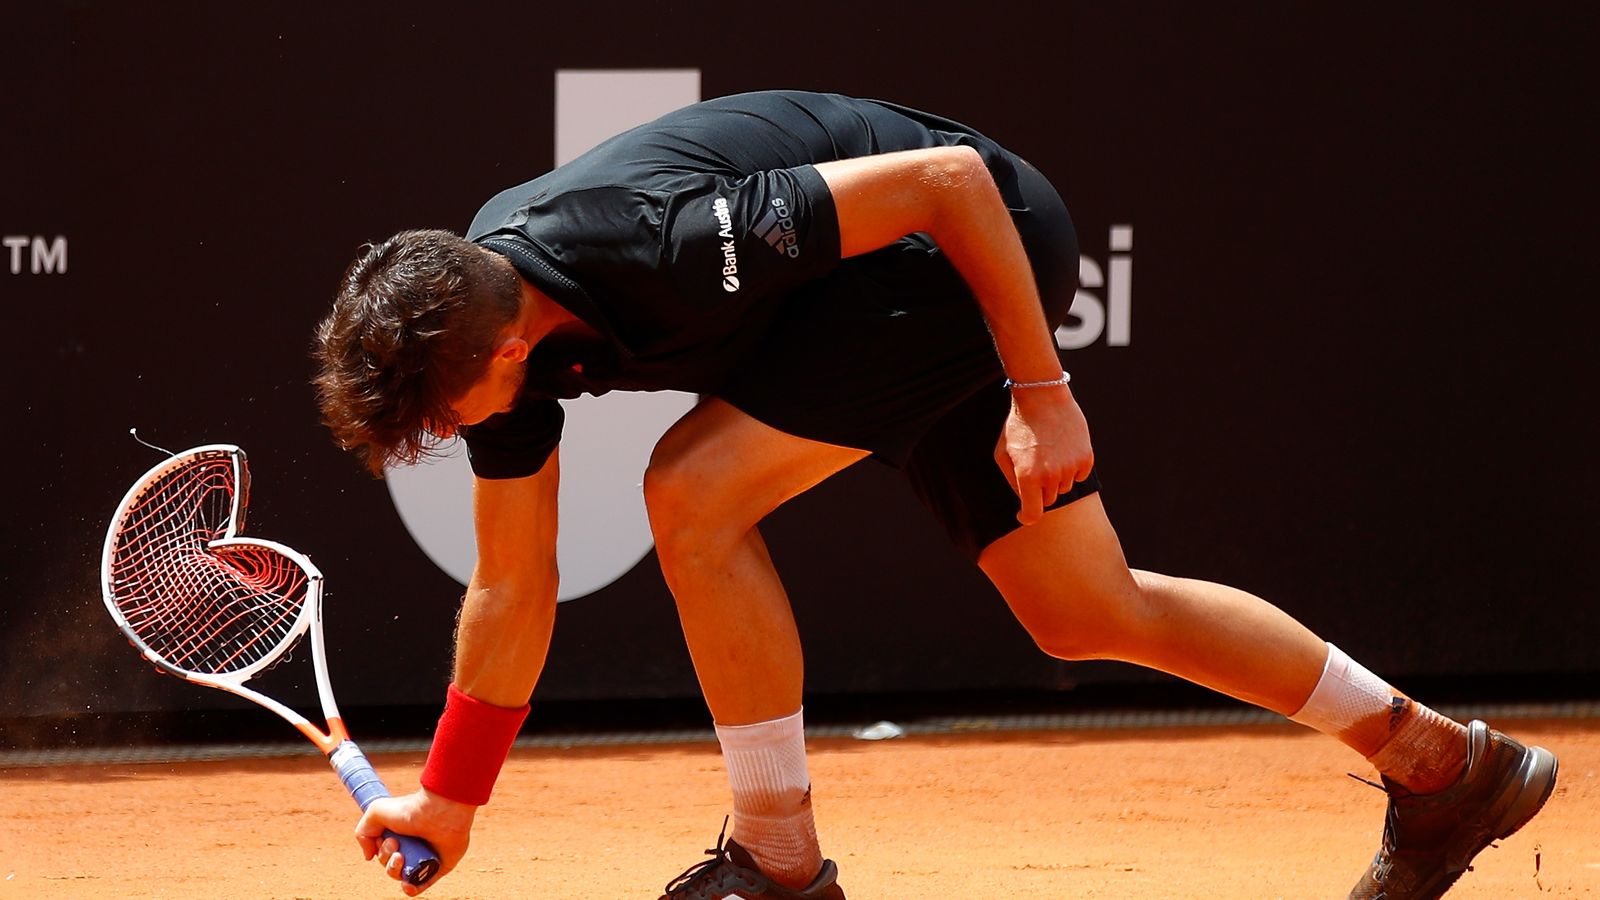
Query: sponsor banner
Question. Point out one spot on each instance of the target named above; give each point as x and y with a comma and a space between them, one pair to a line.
1349, 375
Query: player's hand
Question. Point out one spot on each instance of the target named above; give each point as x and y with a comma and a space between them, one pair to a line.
1044, 448
444, 823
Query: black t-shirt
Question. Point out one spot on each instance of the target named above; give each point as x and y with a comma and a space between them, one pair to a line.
677, 242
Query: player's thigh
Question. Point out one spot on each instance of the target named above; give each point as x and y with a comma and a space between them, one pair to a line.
719, 461
1065, 578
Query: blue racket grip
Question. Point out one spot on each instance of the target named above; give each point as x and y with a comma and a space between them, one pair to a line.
363, 783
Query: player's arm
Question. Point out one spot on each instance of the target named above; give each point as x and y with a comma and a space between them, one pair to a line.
509, 610
948, 193
506, 621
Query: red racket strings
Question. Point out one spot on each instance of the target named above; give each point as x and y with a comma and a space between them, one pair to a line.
204, 609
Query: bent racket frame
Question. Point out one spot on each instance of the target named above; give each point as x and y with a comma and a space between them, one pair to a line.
202, 602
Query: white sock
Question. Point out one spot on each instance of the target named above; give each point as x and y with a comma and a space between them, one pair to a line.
1347, 696
772, 797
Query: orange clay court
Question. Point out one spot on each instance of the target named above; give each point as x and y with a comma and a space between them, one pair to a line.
1242, 811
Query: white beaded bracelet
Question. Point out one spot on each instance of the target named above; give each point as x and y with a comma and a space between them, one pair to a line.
1065, 378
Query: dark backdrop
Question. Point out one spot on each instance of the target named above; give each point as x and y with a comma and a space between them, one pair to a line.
1363, 314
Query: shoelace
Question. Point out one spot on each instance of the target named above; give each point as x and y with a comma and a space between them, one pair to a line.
1368, 781
1389, 823
718, 854
1388, 815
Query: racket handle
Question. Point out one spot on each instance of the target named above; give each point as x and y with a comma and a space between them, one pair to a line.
363, 783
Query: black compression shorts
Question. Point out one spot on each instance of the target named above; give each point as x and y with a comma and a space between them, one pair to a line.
890, 354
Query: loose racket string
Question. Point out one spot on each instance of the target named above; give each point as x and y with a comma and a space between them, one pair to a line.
135, 433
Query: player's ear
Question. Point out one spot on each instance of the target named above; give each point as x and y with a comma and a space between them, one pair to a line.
512, 349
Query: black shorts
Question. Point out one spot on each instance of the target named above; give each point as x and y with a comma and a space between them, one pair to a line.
890, 354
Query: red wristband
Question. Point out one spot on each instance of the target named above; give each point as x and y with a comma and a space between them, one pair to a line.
469, 747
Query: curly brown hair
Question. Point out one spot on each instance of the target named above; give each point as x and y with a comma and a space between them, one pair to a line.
413, 326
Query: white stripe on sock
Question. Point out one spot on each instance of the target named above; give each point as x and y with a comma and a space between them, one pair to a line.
1346, 694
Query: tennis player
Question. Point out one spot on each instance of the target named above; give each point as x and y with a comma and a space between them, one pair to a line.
837, 279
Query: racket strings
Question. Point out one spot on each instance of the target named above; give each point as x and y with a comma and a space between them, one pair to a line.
200, 608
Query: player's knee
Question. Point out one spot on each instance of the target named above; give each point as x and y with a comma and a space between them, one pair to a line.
1075, 633
1105, 627
680, 501
667, 488
1076, 643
